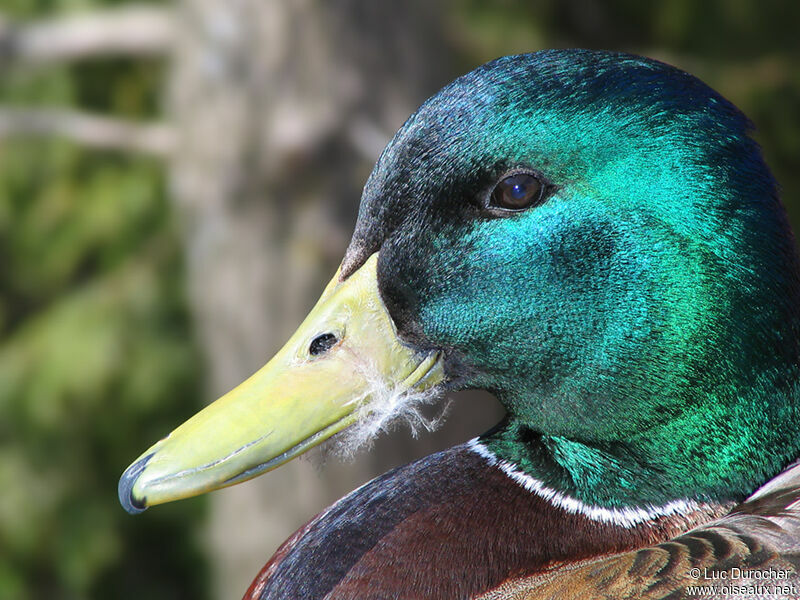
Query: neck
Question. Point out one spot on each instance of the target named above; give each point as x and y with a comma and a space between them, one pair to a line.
422, 522
623, 515
663, 473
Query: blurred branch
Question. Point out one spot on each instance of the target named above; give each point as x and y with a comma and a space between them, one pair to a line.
91, 130
130, 30
367, 138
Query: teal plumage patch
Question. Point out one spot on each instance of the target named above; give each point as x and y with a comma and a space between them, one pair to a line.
641, 325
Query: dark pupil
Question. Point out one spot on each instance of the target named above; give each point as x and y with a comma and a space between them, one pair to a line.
322, 343
517, 191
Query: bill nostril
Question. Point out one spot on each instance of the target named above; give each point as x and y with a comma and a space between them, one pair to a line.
322, 343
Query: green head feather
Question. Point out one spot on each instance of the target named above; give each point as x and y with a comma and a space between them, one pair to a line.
641, 324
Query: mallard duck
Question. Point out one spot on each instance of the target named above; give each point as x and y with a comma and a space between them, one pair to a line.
593, 237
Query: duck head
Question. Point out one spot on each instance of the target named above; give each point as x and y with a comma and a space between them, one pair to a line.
591, 236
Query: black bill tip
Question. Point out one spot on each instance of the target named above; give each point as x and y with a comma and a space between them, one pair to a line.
132, 505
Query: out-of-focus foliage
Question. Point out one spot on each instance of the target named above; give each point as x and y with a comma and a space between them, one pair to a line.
96, 351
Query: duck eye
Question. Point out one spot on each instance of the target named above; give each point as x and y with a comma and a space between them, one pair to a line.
322, 343
517, 192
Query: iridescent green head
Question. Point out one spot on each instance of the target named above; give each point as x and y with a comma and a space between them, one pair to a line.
639, 318
595, 238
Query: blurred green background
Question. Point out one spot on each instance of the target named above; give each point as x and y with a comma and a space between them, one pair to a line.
99, 349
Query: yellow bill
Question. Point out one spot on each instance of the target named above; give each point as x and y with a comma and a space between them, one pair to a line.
318, 384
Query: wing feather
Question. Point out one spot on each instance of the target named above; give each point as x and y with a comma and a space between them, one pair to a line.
756, 544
